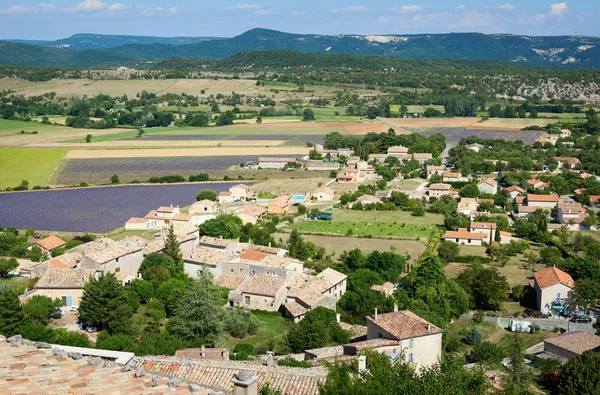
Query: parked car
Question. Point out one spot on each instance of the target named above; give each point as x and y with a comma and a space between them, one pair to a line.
586, 319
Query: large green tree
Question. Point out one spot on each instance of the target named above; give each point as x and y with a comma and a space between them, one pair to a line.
39, 308
487, 287
104, 304
580, 375
226, 226
173, 251
7, 265
201, 314
11, 313
317, 329
207, 194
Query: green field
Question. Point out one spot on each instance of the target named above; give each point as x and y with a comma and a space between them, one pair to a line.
11, 126
376, 224
419, 109
279, 84
271, 330
33, 165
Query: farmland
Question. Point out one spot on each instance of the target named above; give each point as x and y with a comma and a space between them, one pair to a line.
373, 224
454, 135
33, 165
96, 210
99, 170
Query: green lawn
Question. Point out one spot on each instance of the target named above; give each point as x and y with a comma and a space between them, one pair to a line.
32, 164
271, 331
8, 126
415, 108
376, 224
279, 84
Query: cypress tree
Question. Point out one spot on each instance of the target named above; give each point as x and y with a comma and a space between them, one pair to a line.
11, 313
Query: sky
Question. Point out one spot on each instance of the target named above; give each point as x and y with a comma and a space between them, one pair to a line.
31, 19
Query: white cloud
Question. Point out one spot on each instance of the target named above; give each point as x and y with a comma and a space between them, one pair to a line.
264, 12
299, 13
152, 11
352, 8
460, 8
384, 19
173, 10
407, 9
115, 8
89, 5
507, 7
41, 8
558, 9
243, 7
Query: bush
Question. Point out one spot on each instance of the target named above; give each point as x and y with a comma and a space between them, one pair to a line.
487, 352
244, 347
68, 338
117, 342
472, 259
478, 317
294, 363
473, 337
241, 324
37, 332
199, 177
451, 342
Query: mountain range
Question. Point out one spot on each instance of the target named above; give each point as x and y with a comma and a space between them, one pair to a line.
89, 50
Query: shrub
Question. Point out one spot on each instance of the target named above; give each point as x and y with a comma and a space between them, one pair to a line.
294, 363
473, 337
37, 332
117, 342
451, 342
68, 338
478, 317
241, 324
487, 352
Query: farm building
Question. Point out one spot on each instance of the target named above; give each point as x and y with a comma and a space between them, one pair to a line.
48, 244
488, 186
439, 189
552, 286
320, 165
279, 205
64, 284
274, 163
324, 194
432, 170
203, 207
250, 213
225, 197
463, 236
422, 158
451, 176
514, 191
403, 333
543, 201
241, 192
571, 344
568, 162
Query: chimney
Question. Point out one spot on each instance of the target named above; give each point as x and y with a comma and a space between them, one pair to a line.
202, 352
428, 327
362, 363
270, 360
244, 383
375, 316
395, 307
171, 205
338, 318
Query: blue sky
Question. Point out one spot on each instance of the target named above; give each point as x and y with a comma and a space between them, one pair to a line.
53, 19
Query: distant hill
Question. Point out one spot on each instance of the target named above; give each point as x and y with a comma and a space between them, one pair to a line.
103, 41
560, 51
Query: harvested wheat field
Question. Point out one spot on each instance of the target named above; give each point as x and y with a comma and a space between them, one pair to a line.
177, 152
433, 122
140, 143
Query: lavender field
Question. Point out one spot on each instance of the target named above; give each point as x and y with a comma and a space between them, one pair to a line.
96, 210
99, 171
454, 135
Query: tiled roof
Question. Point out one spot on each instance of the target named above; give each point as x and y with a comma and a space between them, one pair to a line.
445, 187
214, 241
182, 217
451, 174
241, 186
58, 263
29, 370
203, 353
137, 220
434, 168
151, 215
520, 199
165, 209
356, 331
594, 199
308, 289
552, 276
230, 280
530, 209
577, 342
64, 278
276, 160
207, 255
570, 207
281, 201
332, 276
253, 255
295, 309
489, 181
251, 210
422, 156
398, 149
483, 225
326, 190
218, 374
372, 343
266, 286
369, 199
387, 286
267, 249
569, 160
463, 233
514, 188
326, 352
542, 198
50, 243
101, 250
404, 325
225, 193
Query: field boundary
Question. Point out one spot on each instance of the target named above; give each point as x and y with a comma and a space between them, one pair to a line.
284, 230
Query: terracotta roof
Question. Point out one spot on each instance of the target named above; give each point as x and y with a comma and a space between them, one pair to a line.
398, 149
251, 210
451, 174
218, 374
165, 209
204, 202
225, 193
506, 234
520, 199
332, 276
295, 309
570, 207
542, 198
483, 225
387, 286
29, 370
372, 343
463, 233
151, 215
267, 249
253, 255
404, 325
368, 199
308, 289
276, 160
594, 199
489, 181
266, 286
56, 262
442, 186
552, 276
64, 278
214, 241
530, 209
422, 156
434, 168
569, 160
241, 186
282, 201
207, 255
514, 188
230, 280
326, 190
50, 243
137, 220
576, 342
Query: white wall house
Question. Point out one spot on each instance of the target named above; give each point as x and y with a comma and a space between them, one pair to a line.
552, 286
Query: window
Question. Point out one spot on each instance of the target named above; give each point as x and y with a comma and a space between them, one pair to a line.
231, 270
411, 343
411, 357
247, 299
117, 260
117, 270
253, 272
558, 295
379, 335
